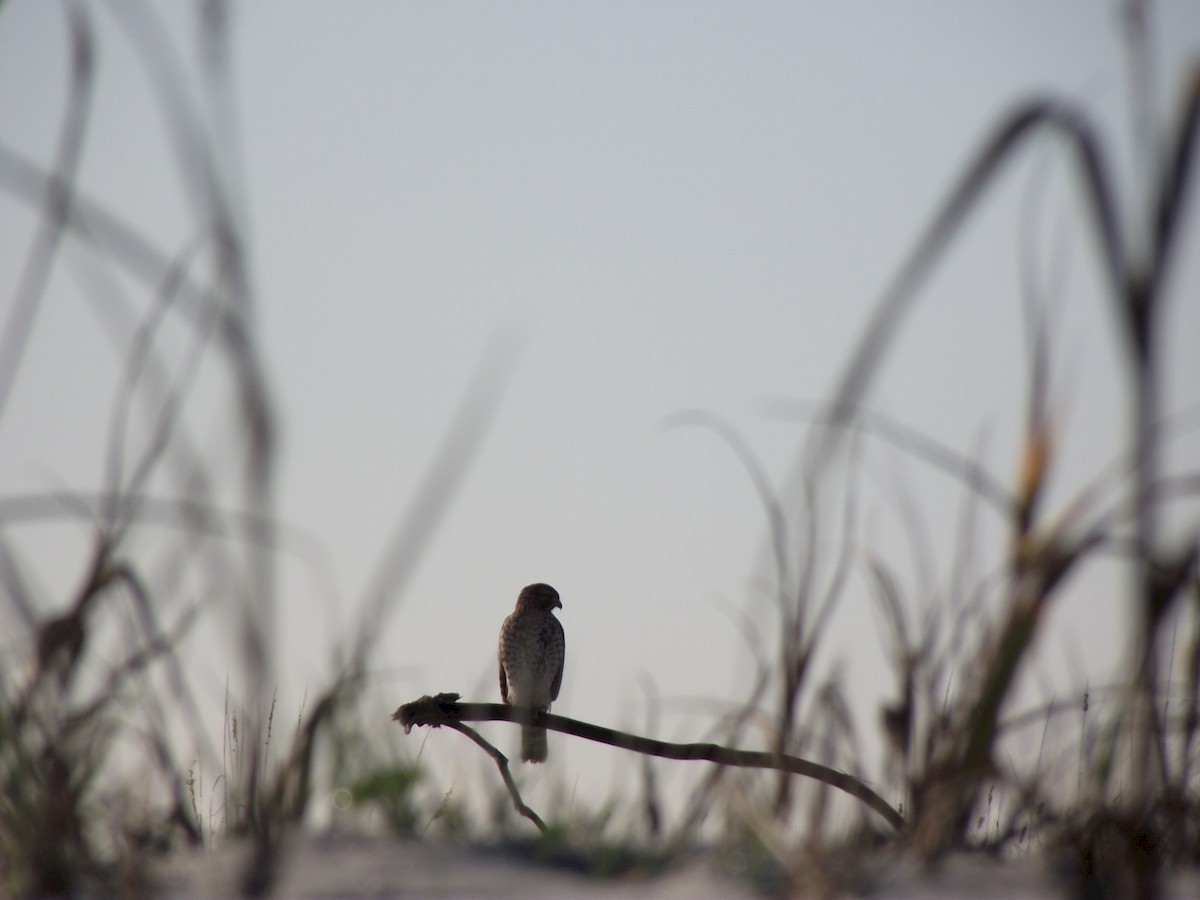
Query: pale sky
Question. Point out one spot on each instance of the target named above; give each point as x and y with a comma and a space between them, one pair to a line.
677, 206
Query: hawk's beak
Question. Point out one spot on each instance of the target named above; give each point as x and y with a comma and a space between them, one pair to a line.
558, 603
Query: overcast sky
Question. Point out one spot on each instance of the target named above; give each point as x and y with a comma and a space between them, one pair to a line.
675, 206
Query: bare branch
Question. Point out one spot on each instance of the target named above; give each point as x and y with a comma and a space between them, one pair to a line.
444, 709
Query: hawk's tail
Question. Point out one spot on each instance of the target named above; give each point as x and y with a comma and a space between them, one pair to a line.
534, 747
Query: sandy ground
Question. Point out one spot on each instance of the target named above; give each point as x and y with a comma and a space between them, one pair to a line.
344, 866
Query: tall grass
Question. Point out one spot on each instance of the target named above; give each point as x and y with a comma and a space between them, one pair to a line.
1137, 805
65, 727
103, 748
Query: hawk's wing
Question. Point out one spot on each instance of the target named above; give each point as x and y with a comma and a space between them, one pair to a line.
503, 678
562, 642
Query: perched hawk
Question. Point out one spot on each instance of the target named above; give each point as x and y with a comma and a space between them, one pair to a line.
531, 653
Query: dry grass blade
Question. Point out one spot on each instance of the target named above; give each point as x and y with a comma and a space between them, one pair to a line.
57, 201
1175, 185
96, 226
901, 294
803, 616
776, 516
921, 446
451, 461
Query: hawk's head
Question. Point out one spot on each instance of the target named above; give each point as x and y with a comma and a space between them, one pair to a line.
538, 596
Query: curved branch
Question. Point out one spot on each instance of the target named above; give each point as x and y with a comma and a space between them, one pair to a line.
444, 709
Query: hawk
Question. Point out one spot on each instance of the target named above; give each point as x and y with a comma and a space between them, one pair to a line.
531, 652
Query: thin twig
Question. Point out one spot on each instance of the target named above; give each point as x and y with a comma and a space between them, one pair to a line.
501, 764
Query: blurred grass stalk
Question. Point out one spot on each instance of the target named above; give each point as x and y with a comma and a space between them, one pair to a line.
1044, 551
945, 742
61, 725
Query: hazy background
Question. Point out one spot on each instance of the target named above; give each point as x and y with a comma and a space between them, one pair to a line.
674, 206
